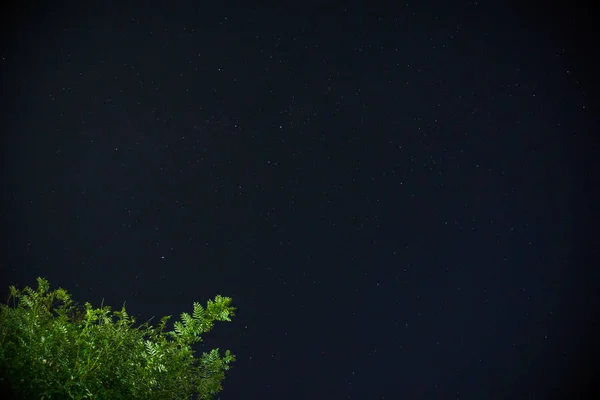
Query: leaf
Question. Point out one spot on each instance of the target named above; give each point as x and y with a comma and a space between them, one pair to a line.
179, 328
187, 320
151, 348
198, 311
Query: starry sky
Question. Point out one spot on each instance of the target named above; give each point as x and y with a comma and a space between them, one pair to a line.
393, 196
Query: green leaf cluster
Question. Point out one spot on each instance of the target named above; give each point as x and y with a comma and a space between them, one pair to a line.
52, 348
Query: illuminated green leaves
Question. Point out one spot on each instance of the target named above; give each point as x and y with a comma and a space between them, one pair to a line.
56, 349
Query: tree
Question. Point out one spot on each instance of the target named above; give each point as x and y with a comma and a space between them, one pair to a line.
52, 348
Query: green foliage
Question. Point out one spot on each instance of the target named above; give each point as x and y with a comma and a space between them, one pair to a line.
50, 348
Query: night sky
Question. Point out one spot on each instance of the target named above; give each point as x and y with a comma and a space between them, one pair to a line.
394, 196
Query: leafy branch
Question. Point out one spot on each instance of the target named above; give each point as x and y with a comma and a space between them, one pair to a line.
52, 348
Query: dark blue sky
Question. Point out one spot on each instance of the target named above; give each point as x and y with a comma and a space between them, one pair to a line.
394, 197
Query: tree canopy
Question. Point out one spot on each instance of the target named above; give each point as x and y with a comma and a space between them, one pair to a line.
53, 348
